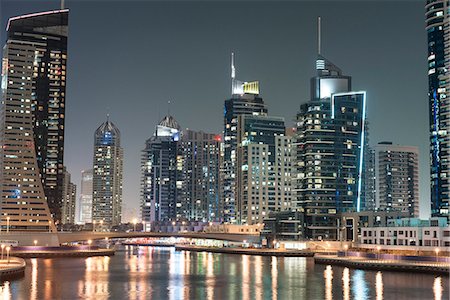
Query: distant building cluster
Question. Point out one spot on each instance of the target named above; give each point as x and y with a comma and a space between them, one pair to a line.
313, 179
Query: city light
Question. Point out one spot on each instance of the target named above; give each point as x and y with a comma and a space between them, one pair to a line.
134, 224
7, 253
287, 198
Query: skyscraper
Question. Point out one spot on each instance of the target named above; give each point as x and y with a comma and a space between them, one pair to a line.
397, 178
33, 91
43, 38
162, 184
245, 100
330, 151
438, 33
257, 164
69, 200
201, 176
107, 175
85, 207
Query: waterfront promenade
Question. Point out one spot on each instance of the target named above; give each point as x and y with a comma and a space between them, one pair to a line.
49, 252
355, 262
11, 267
248, 251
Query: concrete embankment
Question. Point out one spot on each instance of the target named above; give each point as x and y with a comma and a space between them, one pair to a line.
12, 268
248, 251
389, 265
62, 253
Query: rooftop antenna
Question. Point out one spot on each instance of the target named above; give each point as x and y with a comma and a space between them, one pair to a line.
319, 37
62, 4
168, 108
107, 114
233, 73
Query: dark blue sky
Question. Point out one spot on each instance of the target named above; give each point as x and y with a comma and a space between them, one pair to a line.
129, 58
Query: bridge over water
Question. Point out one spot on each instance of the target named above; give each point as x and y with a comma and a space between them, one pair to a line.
57, 238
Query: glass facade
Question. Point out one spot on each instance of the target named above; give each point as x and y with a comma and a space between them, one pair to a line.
438, 33
46, 33
107, 176
256, 176
161, 174
238, 104
331, 141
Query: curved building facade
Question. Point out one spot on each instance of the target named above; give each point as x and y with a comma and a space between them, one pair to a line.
438, 33
45, 36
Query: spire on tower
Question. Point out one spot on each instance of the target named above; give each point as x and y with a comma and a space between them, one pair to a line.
319, 36
233, 74
233, 70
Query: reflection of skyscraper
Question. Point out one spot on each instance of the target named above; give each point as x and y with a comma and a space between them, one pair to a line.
42, 37
107, 175
245, 100
162, 175
438, 32
85, 207
330, 145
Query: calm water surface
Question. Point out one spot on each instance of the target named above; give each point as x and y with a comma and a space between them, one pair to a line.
163, 273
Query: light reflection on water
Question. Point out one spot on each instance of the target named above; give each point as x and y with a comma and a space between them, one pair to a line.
437, 288
328, 275
163, 273
379, 285
359, 285
346, 283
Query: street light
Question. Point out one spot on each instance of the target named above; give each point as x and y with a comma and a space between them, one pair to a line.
345, 248
49, 226
7, 253
89, 243
101, 225
378, 252
7, 224
3, 247
93, 226
35, 242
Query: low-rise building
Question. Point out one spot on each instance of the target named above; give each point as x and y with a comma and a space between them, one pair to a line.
284, 225
408, 232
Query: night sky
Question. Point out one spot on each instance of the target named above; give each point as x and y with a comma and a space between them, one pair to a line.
128, 58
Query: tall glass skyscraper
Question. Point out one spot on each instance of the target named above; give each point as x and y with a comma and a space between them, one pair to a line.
330, 151
162, 174
245, 100
438, 32
44, 36
32, 131
256, 171
396, 178
85, 201
201, 178
69, 201
107, 175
